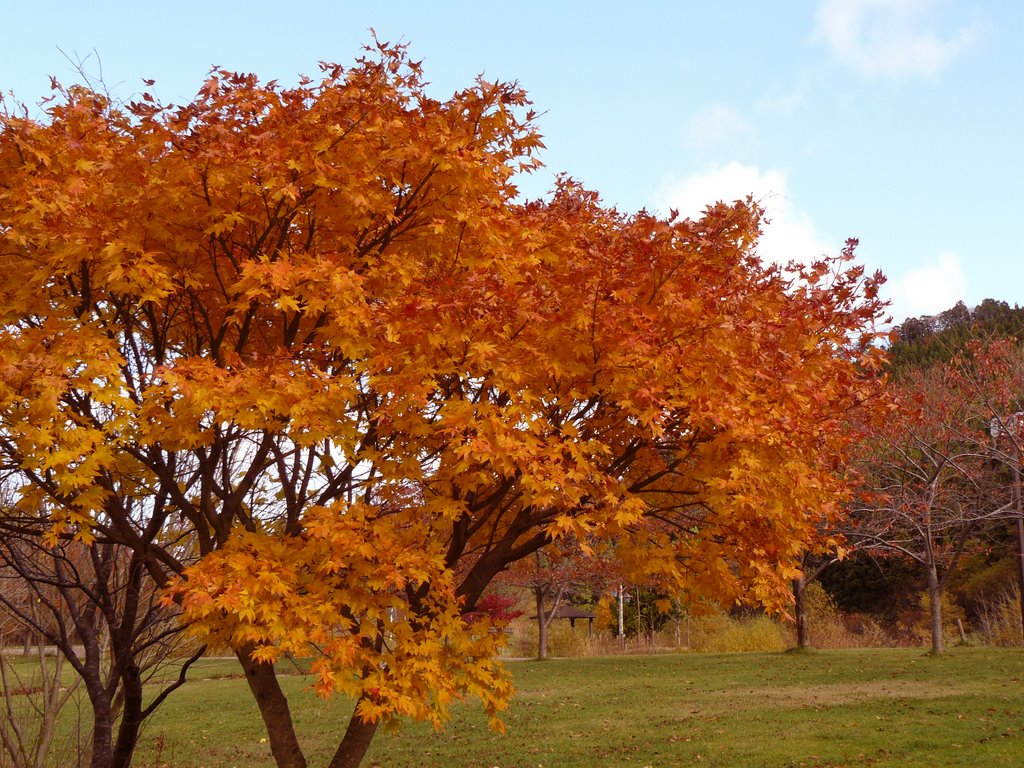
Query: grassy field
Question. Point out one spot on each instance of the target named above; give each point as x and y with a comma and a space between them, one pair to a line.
823, 708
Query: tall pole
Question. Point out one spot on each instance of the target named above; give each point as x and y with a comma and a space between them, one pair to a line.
639, 616
1011, 426
1020, 540
622, 618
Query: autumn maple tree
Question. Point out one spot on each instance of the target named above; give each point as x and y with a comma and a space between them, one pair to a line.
311, 336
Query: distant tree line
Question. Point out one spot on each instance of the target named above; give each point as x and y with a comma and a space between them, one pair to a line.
922, 341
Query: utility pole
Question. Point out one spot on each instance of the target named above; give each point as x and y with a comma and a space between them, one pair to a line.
622, 618
1011, 427
1020, 540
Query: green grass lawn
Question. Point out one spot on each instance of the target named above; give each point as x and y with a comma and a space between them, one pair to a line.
823, 708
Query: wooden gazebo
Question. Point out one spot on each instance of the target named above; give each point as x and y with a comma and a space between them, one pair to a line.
572, 613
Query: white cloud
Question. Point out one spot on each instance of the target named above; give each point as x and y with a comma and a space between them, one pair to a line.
784, 102
789, 234
928, 289
718, 126
890, 38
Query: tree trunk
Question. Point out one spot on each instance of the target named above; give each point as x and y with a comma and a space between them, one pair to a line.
102, 743
935, 605
800, 609
354, 745
127, 666
102, 731
131, 717
542, 624
277, 717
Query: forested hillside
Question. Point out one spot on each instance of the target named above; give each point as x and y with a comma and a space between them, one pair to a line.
921, 341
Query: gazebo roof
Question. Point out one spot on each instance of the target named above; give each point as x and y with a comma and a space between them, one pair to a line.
572, 612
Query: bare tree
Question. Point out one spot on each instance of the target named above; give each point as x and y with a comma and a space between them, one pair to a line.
552, 575
34, 692
98, 608
929, 479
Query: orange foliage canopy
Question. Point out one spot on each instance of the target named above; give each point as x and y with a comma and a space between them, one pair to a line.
309, 338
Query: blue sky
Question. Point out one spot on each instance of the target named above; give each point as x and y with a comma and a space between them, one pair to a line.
895, 121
